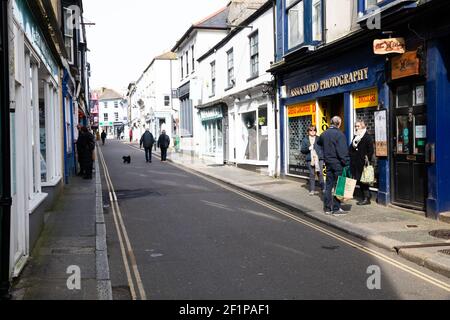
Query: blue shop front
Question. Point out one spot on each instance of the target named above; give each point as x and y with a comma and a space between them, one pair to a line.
352, 86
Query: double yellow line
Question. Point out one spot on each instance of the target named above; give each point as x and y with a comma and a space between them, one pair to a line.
129, 259
423, 276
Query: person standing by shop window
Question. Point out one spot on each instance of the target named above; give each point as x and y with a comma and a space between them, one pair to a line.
361, 153
314, 159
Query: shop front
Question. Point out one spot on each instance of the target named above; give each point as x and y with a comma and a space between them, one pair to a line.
352, 87
212, 144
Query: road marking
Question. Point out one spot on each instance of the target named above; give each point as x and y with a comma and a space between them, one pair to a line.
120, 226
436, 282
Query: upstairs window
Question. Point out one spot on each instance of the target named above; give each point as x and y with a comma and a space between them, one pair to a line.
193, 58
69, 16
317, 20
166, 101
254, 55
213, 78
182, 66
230, 68
187, 63
295, 14
116, 104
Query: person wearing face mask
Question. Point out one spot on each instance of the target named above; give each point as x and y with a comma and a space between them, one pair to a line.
361, 153
314, 159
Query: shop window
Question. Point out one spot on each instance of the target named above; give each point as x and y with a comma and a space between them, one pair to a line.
298, 127
250, 135
186, 118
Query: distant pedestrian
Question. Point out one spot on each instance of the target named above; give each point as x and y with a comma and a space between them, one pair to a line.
147, 141
314, 159
163, 144
361, 153
103, 137
131, 135
336, 157
85, 149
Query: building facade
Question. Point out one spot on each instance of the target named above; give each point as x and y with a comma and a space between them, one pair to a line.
332, 60
237, 110
113, 113
197, 40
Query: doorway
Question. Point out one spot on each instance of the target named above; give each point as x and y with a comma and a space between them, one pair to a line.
328, 108
409, 174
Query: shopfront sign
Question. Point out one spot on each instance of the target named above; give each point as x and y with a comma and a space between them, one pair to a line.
333, 82
106, 124
365, 99
302, 109
211, 114
386, 46
406, 65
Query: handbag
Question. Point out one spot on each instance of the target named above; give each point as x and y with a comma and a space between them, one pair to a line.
345, 186
368, 174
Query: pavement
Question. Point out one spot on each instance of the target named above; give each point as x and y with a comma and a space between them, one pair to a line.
70, 261
402, 231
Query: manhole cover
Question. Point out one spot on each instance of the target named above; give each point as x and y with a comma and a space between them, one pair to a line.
441, 234
446, 251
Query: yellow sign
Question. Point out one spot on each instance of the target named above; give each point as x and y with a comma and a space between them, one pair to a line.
365, 99
302, 110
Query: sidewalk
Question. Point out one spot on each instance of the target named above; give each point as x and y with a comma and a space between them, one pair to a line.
390, 228
74, 235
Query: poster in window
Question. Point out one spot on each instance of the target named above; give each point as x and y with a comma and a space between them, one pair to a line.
381, 133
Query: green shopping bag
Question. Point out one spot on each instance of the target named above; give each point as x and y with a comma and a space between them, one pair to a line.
345, 186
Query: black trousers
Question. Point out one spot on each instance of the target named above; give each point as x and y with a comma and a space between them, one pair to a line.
163, 154
365, 190
148, 154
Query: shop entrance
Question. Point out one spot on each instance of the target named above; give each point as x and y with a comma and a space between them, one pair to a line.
328, 108
409, 143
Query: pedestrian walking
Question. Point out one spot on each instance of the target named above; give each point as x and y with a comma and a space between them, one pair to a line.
85, 149
103, 135
131, 135
163, 144
336, 157
314, 159
147, 141
361, 153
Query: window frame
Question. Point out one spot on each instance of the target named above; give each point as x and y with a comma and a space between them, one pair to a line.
230, 69
69, 36
254, 56
213, 78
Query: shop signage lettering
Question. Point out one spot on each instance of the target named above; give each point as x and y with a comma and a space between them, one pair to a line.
408, 64
386, 46
365, 99
211, 114
333, 82
302, 110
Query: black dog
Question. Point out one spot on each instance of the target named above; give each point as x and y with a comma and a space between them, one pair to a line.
126, 159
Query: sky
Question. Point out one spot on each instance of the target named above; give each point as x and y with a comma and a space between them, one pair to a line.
127, 35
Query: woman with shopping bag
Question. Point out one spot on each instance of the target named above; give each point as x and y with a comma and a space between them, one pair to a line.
314, 159
361, 153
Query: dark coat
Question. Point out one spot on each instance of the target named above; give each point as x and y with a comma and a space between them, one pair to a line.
335, 149
103, 135
163, 141
305, 148
85, 147
147, 140
358, 156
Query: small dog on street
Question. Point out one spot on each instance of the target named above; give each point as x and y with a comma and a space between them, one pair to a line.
126, 159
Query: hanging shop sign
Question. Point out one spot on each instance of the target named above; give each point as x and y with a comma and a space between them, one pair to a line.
406, 65
365, 98
333, 82
386, 46
381, 142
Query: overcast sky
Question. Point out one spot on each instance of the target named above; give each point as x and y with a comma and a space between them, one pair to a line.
129, 34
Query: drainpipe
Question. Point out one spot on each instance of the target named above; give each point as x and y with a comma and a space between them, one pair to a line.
5, 161
73, 136
275, 89
66, 171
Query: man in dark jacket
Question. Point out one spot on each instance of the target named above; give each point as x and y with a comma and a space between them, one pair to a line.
85, 149
103, 136
335, 151
163, 144
147, 141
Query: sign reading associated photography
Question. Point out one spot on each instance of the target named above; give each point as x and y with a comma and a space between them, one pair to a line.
333, 82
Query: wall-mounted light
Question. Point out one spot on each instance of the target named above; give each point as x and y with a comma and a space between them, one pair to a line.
248, 96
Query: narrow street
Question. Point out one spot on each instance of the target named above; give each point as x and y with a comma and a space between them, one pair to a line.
193, 239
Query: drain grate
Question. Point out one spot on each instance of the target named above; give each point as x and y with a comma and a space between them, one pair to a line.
445, 251
441, 234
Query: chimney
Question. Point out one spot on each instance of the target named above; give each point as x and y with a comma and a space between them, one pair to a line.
242, 9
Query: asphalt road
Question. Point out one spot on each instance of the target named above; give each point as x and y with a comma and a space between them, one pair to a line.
193, 239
